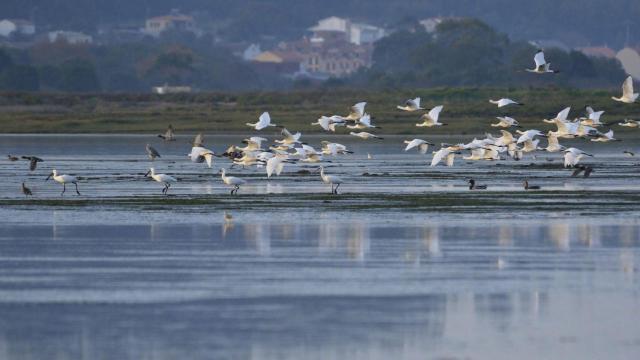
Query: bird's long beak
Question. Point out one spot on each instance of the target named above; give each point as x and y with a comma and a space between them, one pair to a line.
48, 177
588, 154
147, 174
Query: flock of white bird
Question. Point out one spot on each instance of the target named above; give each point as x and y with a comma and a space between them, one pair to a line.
290, 149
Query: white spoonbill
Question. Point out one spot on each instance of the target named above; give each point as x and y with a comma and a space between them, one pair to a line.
63, 179
357, 111
363, 123
630, 123
263, 121
504, 102
505, 122
529, 135
329, 123
164, 179
542, 66
572, 156
422, 145
331, 180
411, 105
231, 181
365, 135
199, 154
445, 152
431, 118
333, 149
606, 137
628, 96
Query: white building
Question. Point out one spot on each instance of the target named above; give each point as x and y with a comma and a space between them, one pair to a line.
365, 34
174, 21
9, 27
71, 37
355, 33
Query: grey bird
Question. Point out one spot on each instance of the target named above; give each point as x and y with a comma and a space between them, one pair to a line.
12, 158
33, 161
152, 153
168, 135
26, 191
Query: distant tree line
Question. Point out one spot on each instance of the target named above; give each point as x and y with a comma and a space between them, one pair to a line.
468, 52
465, 52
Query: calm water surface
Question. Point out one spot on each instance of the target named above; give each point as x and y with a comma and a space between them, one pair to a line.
92, 283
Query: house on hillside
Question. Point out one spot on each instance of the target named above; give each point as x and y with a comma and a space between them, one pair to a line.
278, 61
174, 21
71, 37
334, 29
630, 60
9, 27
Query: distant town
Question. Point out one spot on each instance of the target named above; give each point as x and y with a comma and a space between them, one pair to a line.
332, 48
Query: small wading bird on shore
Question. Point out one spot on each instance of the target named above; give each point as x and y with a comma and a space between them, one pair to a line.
164, 179
63, 179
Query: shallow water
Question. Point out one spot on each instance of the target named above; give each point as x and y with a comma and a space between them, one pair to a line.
124, 282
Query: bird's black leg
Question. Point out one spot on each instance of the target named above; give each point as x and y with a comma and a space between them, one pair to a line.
336, 190
76, 184
64, 188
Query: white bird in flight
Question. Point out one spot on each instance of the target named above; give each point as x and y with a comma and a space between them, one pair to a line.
628, 96
542, 66
572, 156
504, 102
422, 145
431, 118
263, 121
365, 135
411, 105
357, 111
505, 122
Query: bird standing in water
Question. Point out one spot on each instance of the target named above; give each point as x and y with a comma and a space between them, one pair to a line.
26, 191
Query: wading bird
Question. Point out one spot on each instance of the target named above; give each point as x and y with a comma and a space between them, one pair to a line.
164, 179
474, 186
331, 180
152, 152
231, 181
26, 191
63, 179
530, 187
